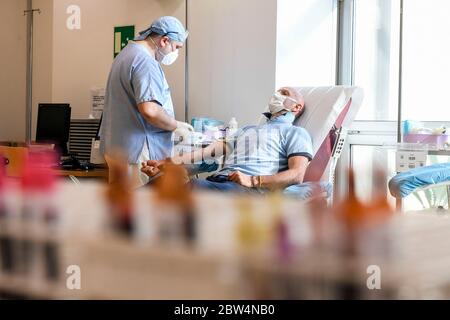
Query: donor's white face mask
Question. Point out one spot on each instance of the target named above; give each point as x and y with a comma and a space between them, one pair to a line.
277, 101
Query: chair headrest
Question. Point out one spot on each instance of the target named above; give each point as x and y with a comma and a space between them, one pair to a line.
324, 105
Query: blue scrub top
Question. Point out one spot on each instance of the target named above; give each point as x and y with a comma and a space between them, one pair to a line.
135, 77
265, 150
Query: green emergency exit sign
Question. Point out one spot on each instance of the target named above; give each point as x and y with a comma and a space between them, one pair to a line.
121, 37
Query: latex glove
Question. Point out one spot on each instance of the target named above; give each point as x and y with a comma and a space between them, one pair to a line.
185, 126
184, 134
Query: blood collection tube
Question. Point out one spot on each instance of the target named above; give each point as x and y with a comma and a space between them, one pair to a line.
51, 247
284, 246
38, 250
177, 221
189, 224
26, 246
50, 218
119, 196
6, 243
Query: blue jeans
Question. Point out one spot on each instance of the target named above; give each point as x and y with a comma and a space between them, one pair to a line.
226, 186
223, 186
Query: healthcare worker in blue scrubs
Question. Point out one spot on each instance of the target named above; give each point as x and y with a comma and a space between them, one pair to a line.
138, 118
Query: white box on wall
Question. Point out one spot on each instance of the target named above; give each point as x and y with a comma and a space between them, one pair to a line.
408, 160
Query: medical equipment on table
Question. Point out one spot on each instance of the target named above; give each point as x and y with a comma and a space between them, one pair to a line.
232, 127
416, 132
416, 127
214, 133
200, 124
440, 140
210, 129
188, 137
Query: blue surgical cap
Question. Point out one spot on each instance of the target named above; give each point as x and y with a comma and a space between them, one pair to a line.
166, 26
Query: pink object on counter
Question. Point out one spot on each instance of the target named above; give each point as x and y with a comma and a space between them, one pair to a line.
38, 173
438, 139
2, 172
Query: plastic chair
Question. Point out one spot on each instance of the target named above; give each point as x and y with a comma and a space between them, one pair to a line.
420, 179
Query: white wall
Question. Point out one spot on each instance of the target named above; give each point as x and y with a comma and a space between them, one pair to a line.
239, 52
13, 70
231, 58
68, 63
82, 58
306, 42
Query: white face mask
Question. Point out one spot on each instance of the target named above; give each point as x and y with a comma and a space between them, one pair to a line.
170, 58
167, 59
276, 103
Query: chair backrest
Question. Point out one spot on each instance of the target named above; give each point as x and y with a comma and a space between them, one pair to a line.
329, 111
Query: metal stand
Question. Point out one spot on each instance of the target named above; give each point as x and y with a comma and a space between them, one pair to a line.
29, 97
186, 75
400, 78
448, 196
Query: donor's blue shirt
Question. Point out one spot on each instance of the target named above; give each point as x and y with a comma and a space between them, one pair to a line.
265, 150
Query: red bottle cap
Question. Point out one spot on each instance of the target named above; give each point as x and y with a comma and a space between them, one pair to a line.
38, 173
2, 172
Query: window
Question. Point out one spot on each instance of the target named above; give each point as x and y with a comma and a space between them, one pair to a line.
306, 42
426, 63
375, 37
376, 57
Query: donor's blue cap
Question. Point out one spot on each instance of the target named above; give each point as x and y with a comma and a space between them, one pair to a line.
166, 26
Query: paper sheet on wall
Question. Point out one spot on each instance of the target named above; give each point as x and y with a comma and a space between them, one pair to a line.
97, 102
